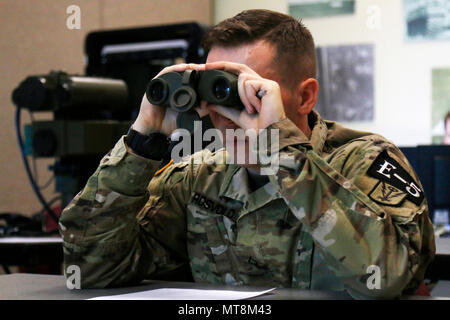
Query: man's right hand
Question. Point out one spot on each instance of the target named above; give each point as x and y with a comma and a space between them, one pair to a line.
156, 118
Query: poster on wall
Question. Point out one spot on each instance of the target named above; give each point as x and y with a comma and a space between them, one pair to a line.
320, 8
427, 19
440, 104
346, 80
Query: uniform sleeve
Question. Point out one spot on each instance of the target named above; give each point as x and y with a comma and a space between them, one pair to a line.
373, 231
105, 228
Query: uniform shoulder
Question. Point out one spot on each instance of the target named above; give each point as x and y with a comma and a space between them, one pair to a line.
365, 150
367, 143
379, 169
187, 169
194, 161
204, 157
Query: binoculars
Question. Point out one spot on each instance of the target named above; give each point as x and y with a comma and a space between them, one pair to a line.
183, 91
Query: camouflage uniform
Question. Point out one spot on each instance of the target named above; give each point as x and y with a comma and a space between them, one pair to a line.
328, 214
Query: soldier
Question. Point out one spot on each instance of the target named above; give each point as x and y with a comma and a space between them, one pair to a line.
344, 210
447, 128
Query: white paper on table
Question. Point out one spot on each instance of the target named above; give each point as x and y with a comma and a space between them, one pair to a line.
31, 240
185, 294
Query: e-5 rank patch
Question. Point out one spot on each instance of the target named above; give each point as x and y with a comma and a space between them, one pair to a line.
390, 172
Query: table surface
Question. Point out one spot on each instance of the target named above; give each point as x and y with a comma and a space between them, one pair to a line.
53, 287
442, 244
43, 287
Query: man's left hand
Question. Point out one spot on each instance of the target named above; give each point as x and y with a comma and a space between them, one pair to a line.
260, 112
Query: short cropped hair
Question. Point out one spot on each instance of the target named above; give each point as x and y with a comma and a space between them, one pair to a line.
295, 57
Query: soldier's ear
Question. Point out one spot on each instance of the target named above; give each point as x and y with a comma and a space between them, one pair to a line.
307, 92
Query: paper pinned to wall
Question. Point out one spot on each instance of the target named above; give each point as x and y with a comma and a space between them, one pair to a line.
346, 80
320, 8
185, 294
427, 19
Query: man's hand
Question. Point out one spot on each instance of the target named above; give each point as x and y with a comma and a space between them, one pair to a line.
260, 112
158, 118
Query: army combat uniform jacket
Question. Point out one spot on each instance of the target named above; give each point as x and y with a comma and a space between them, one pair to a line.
345, 210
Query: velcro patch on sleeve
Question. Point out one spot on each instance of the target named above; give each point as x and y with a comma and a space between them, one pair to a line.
386, 169
213, 206
386, 194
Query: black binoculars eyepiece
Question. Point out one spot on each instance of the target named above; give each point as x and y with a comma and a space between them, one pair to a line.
157, 91
221, 89
183, 91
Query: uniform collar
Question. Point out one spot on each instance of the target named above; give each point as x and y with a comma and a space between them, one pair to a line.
318, 133
338, 135
236, 186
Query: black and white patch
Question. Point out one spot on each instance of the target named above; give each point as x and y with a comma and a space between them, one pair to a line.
386, 169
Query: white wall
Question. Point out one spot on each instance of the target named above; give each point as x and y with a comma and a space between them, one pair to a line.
402, 69
34, 39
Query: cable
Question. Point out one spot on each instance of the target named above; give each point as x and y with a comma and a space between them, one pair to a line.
28, 170
48, 183
35, 170
50, 203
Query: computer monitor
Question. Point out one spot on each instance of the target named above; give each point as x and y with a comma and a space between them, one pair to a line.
136, 55
432, 165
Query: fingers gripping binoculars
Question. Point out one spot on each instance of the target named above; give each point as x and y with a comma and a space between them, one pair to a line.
183, 91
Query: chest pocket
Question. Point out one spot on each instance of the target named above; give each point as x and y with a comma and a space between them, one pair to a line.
210, 234
303, 258
267, 243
